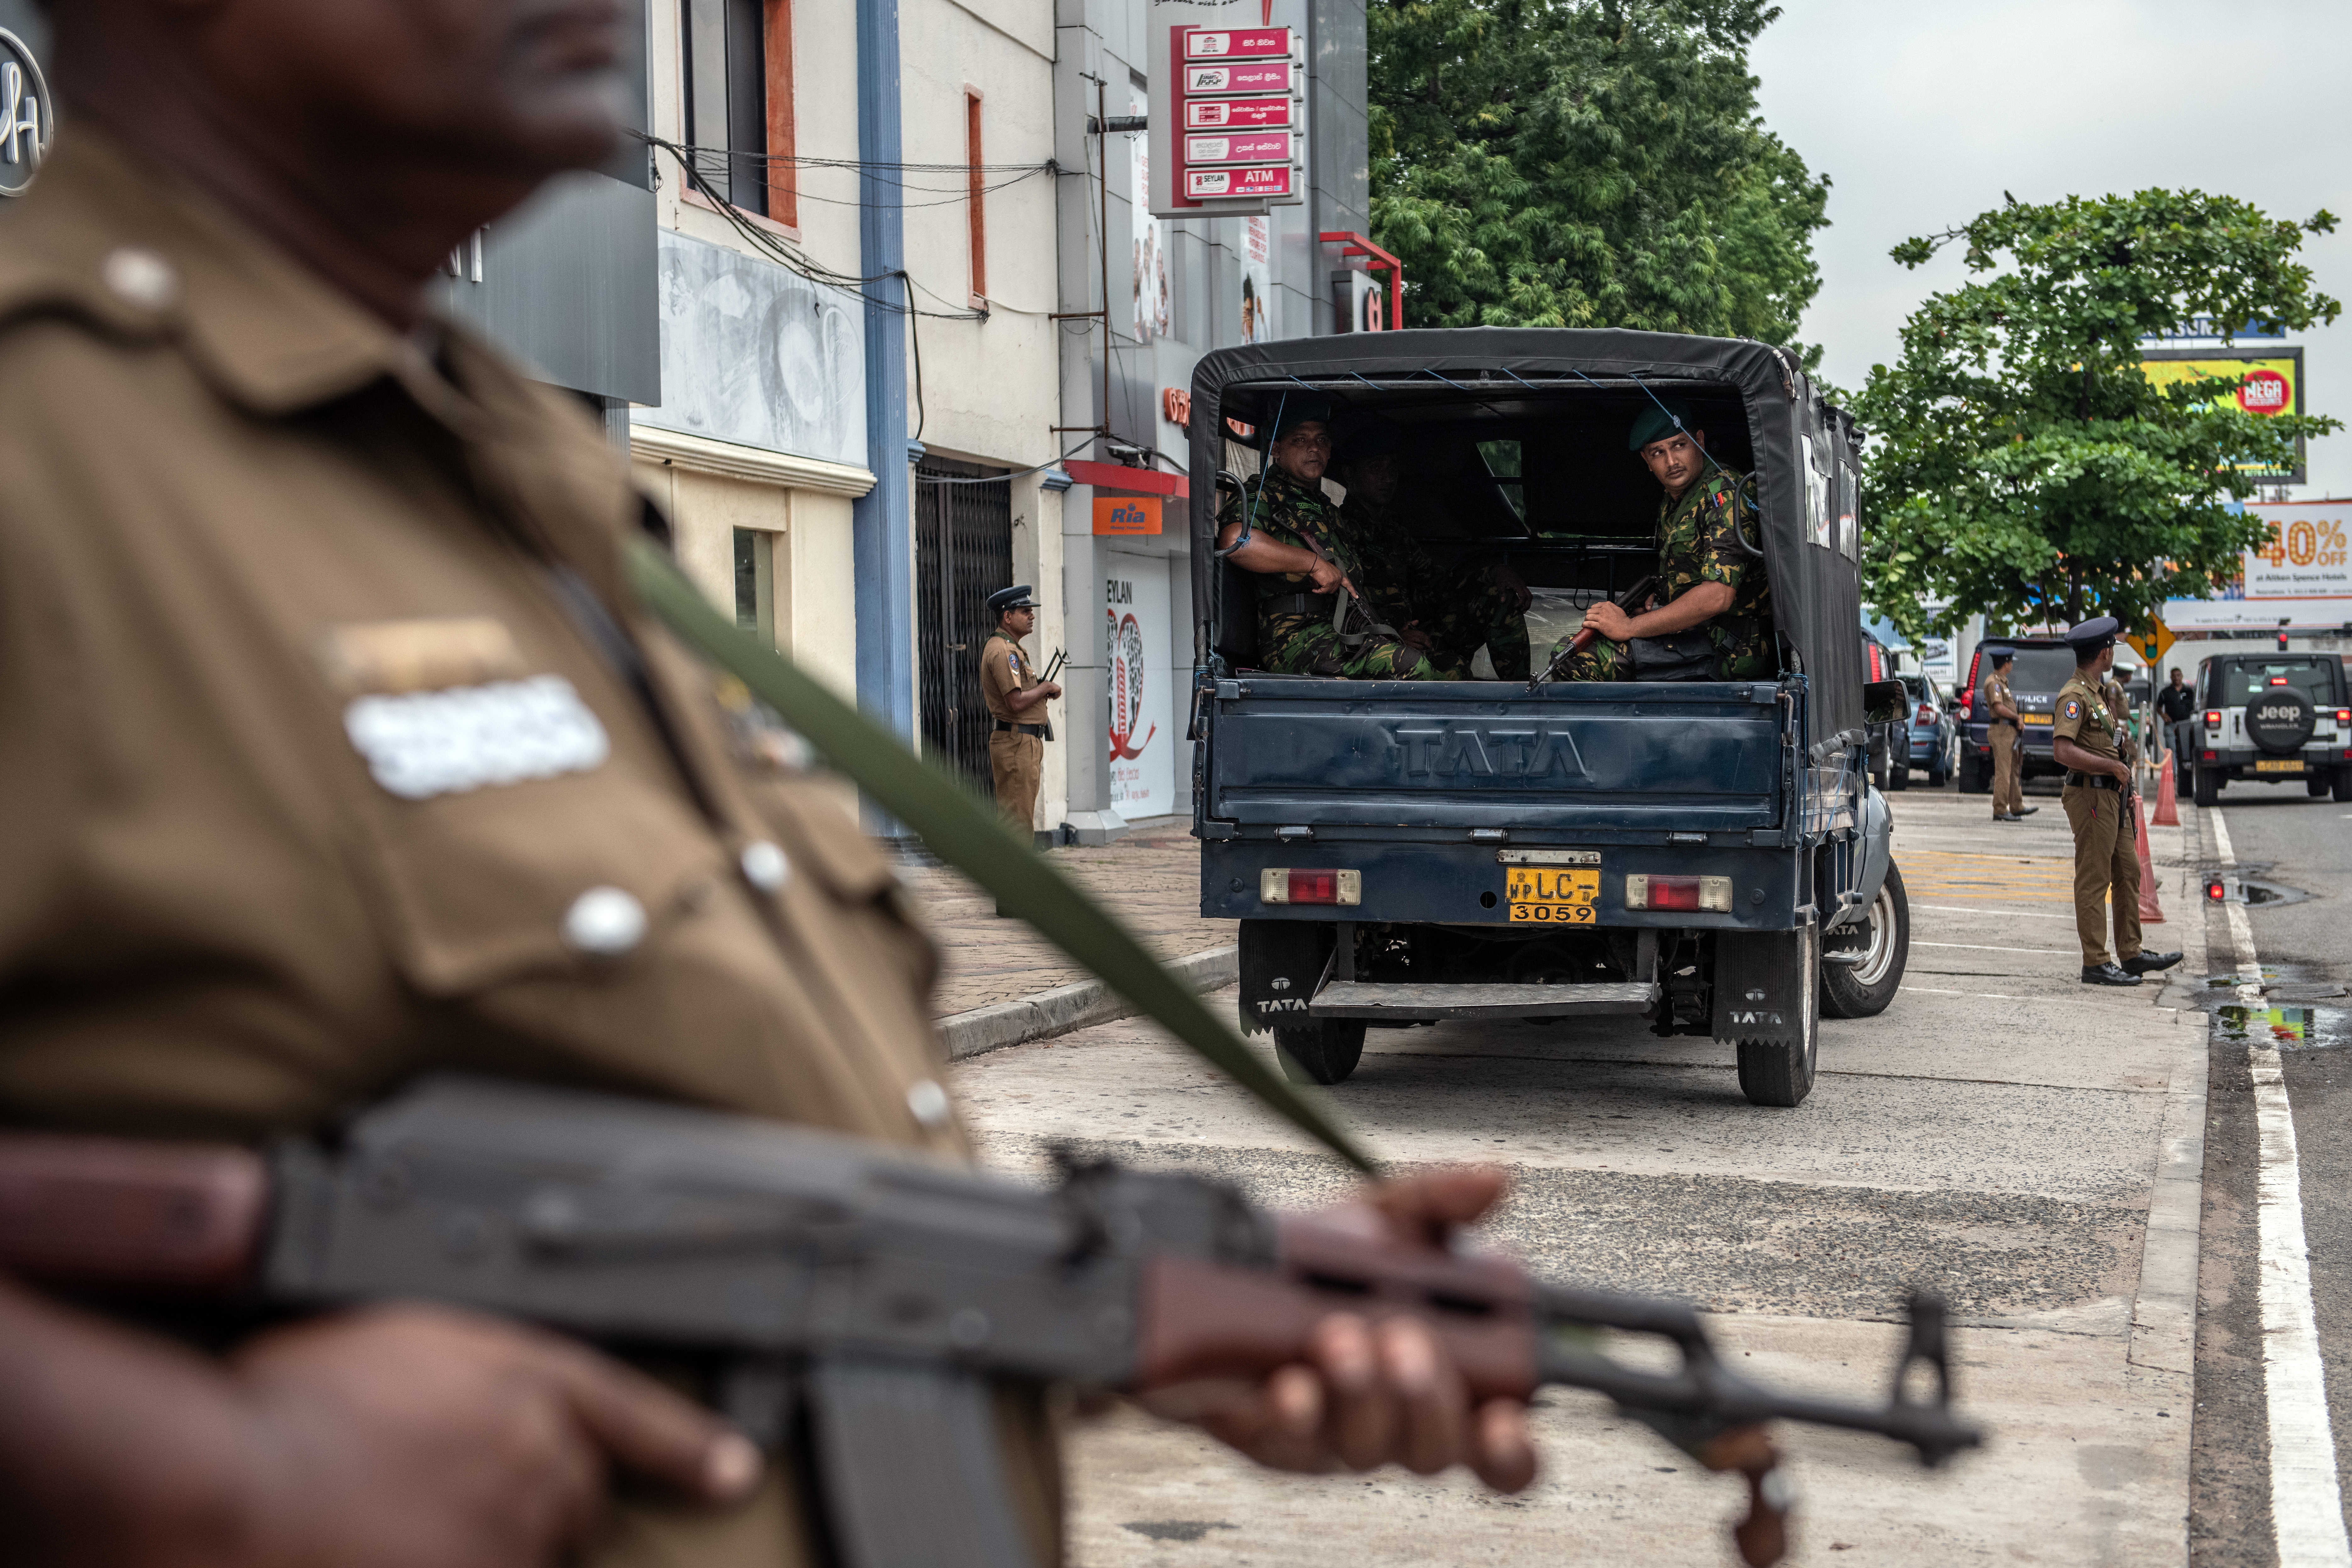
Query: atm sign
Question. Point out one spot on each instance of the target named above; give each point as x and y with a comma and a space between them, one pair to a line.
1208, 185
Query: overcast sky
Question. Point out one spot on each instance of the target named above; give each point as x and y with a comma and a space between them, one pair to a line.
1923, 114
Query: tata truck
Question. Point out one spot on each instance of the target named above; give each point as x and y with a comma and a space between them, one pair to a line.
1705, 855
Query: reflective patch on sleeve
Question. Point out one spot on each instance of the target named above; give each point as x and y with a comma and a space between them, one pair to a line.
424, 743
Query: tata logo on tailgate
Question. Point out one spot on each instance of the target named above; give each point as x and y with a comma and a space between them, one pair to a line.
1495, 751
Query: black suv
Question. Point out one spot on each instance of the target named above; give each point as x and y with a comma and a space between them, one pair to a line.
2044, 665
2272, 718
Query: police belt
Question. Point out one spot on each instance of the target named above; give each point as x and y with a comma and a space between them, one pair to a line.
1298, 603
1998, 722
2093, 781
1036, 729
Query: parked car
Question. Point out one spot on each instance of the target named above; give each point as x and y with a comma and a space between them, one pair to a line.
2273, 718
1883, 742
1933, 728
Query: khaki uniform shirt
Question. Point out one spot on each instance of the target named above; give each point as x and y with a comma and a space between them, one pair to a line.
1003, 670
2081, 715
1996, 696
255, 872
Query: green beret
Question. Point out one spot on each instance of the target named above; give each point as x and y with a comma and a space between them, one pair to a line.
1656, 423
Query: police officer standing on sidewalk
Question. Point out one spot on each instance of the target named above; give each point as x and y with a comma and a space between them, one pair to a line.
1016, 700
2007, 794
2098, 803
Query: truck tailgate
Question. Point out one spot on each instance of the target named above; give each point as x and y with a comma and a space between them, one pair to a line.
1696, 756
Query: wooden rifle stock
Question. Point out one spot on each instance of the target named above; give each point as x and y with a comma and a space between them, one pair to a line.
154, 1218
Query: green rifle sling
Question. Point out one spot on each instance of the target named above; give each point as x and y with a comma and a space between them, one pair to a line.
963, 832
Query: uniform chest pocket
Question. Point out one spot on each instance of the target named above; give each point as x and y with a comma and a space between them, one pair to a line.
544, 875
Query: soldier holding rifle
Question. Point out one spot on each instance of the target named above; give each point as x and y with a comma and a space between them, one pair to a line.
287, 565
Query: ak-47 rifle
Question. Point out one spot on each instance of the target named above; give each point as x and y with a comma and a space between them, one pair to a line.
1630, 602
856, 1301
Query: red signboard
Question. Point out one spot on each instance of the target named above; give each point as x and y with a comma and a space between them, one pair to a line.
1256, 147
1241, 43
1208, 184
1239, 114
1256, 76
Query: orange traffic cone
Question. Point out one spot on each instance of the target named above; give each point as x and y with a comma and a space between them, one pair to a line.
2151, 912
2168, 795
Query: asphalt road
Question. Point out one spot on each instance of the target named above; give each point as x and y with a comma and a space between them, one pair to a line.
2303, 848
2002, 1133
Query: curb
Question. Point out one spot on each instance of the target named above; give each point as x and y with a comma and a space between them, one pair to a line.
1072, 1007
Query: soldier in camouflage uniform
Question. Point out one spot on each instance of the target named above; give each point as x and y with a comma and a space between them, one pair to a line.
1448, 614
1306, 569
1704, 579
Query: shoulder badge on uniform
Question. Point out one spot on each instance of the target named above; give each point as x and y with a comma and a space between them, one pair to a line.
2073, 707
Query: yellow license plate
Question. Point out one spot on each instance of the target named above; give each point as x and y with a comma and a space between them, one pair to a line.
1551, 895
2278, 766
2034, 718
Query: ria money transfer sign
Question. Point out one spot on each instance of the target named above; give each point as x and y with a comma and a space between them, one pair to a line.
2268, 385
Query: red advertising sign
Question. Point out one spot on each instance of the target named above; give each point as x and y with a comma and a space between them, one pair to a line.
1262, 75
2263, 391
1257, 146
1239, 114
1241, 43
1210, 184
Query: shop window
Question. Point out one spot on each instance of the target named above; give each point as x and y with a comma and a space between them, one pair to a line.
755, 583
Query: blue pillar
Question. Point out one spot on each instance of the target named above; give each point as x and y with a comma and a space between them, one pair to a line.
884, 516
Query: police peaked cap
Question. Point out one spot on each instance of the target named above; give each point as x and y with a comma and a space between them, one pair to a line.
1013, 598
1657, 422
2092, 636
2000, 654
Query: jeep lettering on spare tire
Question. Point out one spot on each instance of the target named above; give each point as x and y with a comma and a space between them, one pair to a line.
2281, 718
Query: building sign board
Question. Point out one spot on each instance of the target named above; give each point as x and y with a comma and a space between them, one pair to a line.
1248, 83
1126, 515
1254, 76
2270, 383
1239, 114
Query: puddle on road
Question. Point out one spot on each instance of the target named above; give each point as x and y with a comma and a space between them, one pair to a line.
2287, 1028
2281, 983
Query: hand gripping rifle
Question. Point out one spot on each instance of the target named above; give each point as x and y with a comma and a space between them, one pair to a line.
852, 1302
1630, 602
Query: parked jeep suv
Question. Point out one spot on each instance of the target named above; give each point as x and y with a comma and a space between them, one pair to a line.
2273, 718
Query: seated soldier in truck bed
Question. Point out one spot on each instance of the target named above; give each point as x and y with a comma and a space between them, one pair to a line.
1291, 539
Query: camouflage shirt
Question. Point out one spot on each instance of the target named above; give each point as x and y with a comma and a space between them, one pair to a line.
1695, 545
1398, 580
1296, 512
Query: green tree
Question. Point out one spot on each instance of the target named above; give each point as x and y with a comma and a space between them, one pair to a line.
1587, 164
2022, 465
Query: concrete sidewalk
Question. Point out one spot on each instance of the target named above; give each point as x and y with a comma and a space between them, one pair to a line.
1002, 983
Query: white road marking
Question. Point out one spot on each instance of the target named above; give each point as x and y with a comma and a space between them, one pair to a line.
2306, 1499
2002, 913
1981, 948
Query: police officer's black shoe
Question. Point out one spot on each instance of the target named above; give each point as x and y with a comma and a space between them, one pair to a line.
2149, 963
2107, 975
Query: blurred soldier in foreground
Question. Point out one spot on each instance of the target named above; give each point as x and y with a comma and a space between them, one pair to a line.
1713, 619
1312, 616
1449, 616
2098, 802
336, 750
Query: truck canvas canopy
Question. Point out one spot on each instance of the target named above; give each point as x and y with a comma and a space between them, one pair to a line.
1513, 446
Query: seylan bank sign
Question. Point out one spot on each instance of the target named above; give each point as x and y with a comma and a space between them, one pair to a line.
27, 121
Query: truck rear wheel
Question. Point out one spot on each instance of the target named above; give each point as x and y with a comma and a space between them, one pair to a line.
1862, 990
1780, 1073
1323, 1052
2205, 785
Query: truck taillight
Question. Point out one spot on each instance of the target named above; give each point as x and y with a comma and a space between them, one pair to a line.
1283, 884
1678, 893
2213, 717
2344, 716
